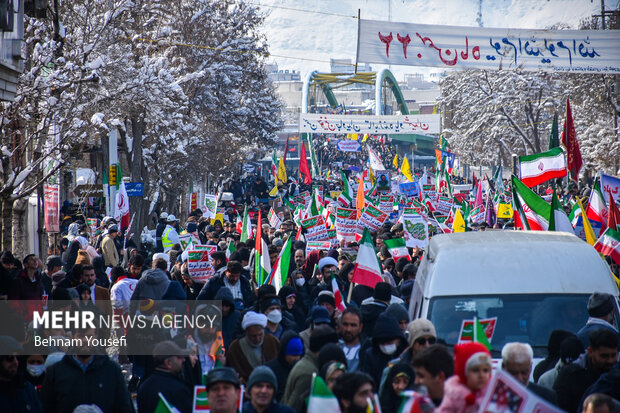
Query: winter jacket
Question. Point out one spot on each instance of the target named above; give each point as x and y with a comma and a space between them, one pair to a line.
458, 398
543, 392
109, 252
608, 383
67, 385
159, 231
372, 359
299, 381
370, 312
173, 388
572, 382
279, 365
121, 293
594, 324
229, 322
274, 408
19, 397
153, 284
547, 379
24, 289
212, 286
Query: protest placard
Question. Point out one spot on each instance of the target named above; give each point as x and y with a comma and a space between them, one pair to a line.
346, 224
274, 219
430, 191
318, 245
315, 229
372, 218
505, 394
209, 206
467, 329
409, 188
199, 262
415, 229
386, 203
444, 204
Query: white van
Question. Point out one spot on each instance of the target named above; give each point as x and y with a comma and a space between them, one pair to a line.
534, 282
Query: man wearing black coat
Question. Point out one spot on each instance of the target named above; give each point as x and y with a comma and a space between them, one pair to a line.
239, 286
16, 395
166, 379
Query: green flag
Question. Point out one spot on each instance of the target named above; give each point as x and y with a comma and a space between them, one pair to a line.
554, 140
479, 334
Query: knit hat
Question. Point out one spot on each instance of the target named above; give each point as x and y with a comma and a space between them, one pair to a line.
277, 242
420, 327
383, 292
600, 304
58, 277
320, 336
331, 352
469, 355
319, 314
323, 262
252, 318
83, 258
326, 296
262, 374
398, 311
294, 347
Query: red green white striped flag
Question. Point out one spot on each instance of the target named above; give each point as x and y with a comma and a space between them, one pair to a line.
321, 399
367, 270
609, 244
261, 259
597, 207
541, 167
397, 248
532, 211
279, 273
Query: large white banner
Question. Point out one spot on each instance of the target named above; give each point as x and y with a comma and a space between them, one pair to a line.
580, 51
374, 125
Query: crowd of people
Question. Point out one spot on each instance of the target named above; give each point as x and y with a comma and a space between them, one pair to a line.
274, 341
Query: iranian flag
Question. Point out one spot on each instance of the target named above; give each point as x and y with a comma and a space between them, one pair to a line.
541, 167
367, 270
609, 245
230, 249
397, 248
262, 266
532, 211
279, 273
345, 197
246, 226
575, 213
321, 399
121, 213
274, 219
340, 305
558, 220
597, 208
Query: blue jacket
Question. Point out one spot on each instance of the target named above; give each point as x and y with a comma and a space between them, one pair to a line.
594, 324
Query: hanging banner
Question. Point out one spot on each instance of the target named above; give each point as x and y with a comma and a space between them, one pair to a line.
610, 184
315, 229
346, 224
415, 229
51, 198
460, 47
374, 125
348, 146
193, 201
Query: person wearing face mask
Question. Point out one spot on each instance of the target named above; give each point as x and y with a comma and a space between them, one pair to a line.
255, 348
34, 366
291, 307
298, 282
388, 341
276, 323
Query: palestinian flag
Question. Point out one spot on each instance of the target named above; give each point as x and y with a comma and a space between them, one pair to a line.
558, 220
321, 399
340, 305
280, 271
367, 270
246, 228
597, 207
164, 407
541, 167
231, 248
609, 245
397, 248
262, 267
532, 211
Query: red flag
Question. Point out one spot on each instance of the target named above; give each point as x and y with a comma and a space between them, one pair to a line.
303, 165
285, 150
258, 246
569, 140
613, 219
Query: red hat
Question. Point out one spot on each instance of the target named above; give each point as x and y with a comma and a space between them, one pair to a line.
464, 352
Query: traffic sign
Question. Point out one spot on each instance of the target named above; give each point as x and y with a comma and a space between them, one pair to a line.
95, 191
134, 188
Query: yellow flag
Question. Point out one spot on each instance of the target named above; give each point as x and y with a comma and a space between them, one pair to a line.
274, 191
354, 136
371, 176
587, 227
395, 161
504, 210
366, 136
406, 170
459, 223
281, 171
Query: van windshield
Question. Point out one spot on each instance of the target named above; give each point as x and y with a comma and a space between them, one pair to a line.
524, 318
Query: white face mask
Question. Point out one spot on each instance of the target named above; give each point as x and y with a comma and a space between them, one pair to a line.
275, 316
388, 349
300, 282
35, 370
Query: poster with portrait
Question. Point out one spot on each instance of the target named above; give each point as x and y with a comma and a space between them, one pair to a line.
383, 181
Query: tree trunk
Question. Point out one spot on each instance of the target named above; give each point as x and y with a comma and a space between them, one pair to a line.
7, 217
20, 232
138, 204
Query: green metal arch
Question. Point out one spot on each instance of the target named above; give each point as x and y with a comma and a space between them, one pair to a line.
387, 76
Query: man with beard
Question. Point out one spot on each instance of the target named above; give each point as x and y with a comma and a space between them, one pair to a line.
351, 337
352, 391
206, 335
255, 348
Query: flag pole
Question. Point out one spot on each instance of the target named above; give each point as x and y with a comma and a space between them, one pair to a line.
351, 285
